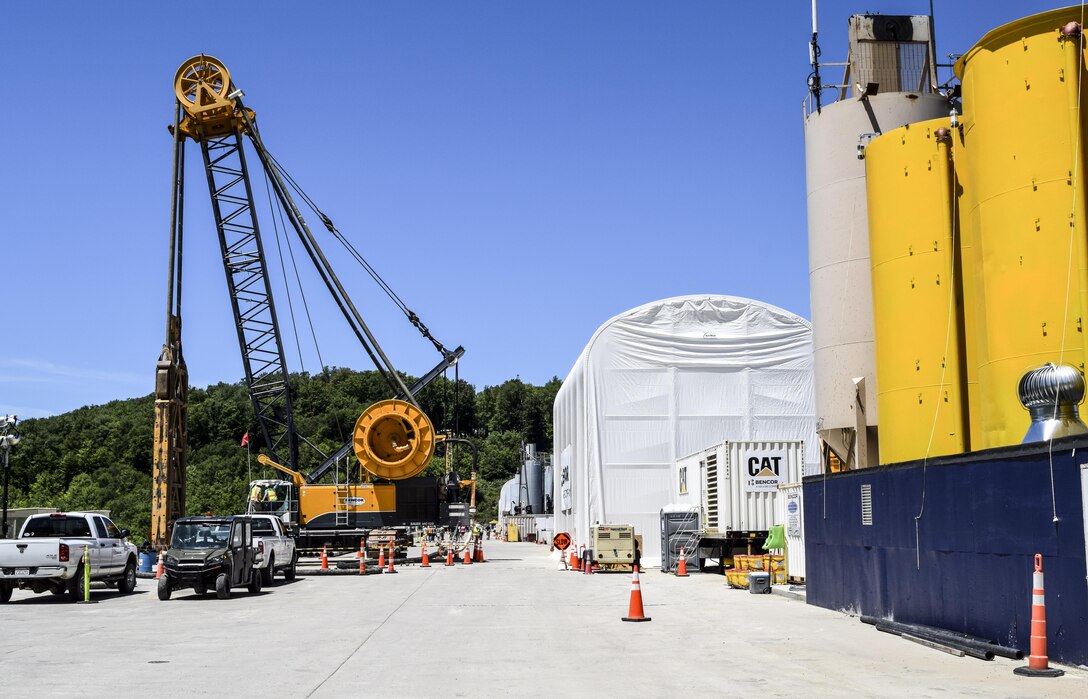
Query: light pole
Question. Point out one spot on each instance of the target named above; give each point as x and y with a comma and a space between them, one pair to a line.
8, 438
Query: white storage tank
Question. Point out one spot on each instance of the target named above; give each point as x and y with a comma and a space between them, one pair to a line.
891, 61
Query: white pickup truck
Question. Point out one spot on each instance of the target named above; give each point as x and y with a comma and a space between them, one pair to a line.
49, 555
275, 547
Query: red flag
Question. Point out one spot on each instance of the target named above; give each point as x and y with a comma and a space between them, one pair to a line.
245, 439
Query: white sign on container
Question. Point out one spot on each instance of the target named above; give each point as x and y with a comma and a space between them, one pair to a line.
793, 513
763, 470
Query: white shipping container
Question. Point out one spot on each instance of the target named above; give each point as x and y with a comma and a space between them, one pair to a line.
735, 485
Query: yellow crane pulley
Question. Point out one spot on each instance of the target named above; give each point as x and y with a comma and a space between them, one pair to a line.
203, 88
394, 439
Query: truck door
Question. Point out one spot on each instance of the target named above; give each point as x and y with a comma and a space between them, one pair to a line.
237, 553
102, 549
117, 554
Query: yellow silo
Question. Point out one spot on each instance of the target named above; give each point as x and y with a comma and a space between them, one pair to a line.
917, 292
1022, 212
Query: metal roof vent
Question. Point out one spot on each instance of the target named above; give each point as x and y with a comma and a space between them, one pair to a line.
1051, 394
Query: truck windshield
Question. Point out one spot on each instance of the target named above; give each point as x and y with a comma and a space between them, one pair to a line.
200, 535
56, 526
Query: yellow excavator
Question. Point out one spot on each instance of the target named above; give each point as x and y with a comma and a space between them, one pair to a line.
342, 499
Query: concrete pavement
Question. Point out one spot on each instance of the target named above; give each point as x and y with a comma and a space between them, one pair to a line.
511, 627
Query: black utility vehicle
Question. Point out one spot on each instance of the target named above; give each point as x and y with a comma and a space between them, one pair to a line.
211, 552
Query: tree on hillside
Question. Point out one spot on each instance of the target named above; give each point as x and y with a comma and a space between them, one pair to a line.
99, 457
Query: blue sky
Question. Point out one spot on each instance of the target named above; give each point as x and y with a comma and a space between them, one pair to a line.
518, 171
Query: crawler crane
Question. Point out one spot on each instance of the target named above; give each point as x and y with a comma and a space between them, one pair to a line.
393, 440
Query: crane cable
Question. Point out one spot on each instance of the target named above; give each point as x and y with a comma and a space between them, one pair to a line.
283, 270
382, 284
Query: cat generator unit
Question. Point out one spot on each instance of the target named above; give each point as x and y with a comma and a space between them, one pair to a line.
353, 489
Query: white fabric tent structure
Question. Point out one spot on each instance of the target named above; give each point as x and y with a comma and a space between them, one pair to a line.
508, 496
663, 381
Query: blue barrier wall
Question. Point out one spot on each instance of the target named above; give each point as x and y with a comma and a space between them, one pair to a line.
968, 564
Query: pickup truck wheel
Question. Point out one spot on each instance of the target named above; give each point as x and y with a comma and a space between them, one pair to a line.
222, 586
5, 594
164, 588
289, 572
269, 571
127, 583
75, 585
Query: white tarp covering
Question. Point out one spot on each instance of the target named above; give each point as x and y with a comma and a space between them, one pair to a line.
665, 380
508, 496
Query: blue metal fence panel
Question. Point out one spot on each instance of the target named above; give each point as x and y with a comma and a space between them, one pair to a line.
965, 563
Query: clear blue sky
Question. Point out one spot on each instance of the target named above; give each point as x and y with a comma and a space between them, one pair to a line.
518, 171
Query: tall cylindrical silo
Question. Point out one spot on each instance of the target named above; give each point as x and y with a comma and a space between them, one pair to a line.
534, 475
839, 266
1023, 210
917, 292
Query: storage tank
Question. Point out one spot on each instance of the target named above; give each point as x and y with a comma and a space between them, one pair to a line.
890, 84
922, 383
549, 488
1023, 210
534, 479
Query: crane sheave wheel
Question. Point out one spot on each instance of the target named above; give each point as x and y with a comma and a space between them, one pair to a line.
202, 81
394, 439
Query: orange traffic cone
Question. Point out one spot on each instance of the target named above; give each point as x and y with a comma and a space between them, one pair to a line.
449, 555
634, 609
587, 567
577, 561
324, 558
1038, 662
362, 566
573, 565
468, 556
392, 555
478, 555
360, 554
426, 562
381, 557
682, 569
159, 568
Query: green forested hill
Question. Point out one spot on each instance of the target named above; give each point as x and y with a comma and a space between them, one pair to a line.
99, 457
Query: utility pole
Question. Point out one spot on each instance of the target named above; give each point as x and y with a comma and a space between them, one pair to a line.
9, 437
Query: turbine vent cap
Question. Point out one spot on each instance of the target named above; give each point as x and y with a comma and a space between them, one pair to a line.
1051, 385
